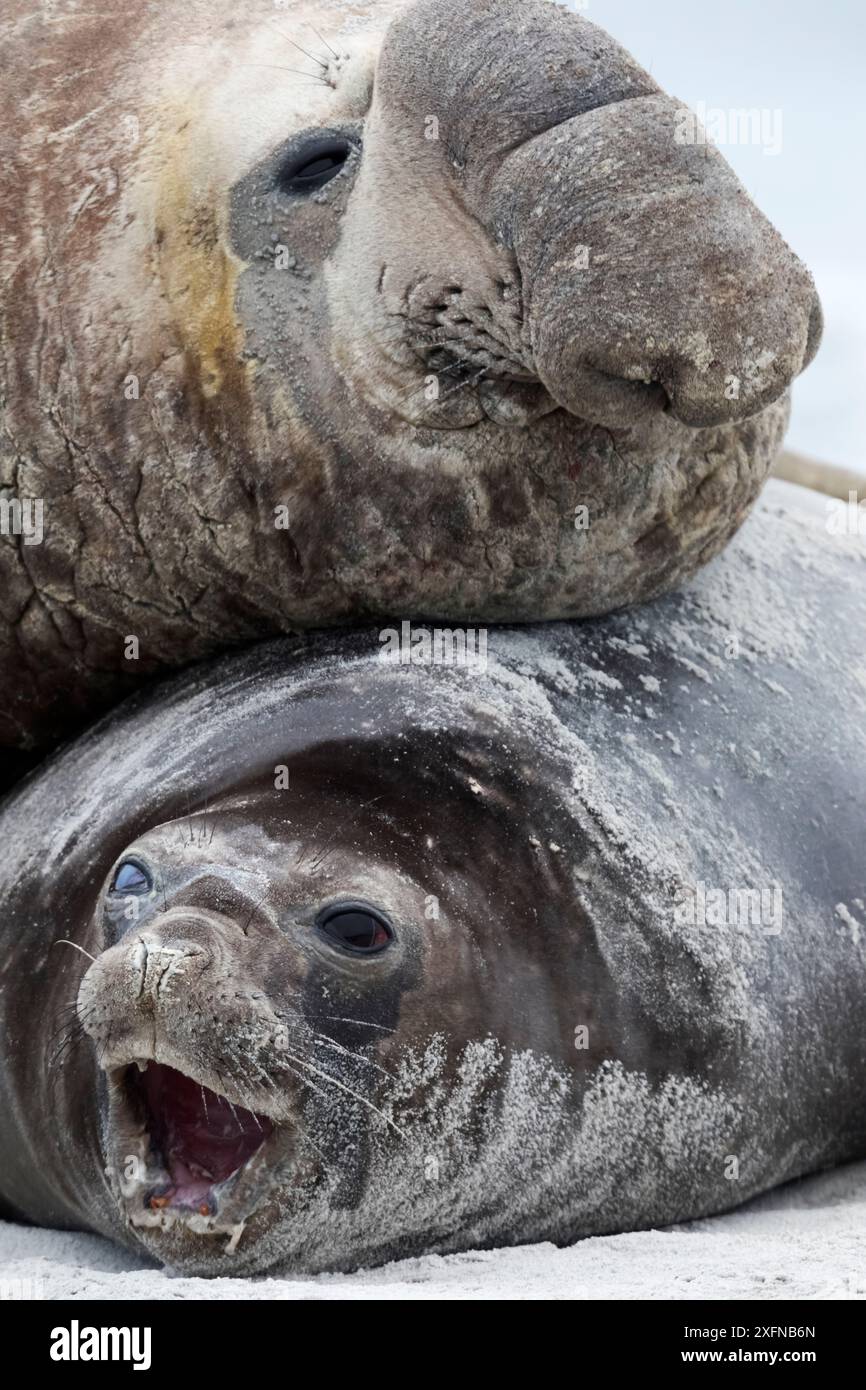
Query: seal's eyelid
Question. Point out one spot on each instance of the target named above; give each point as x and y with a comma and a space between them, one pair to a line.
131, 877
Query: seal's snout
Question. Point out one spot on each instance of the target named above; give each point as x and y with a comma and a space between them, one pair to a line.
156, 963
659, 285
681, 370
186, 1036
711, 335
645, 279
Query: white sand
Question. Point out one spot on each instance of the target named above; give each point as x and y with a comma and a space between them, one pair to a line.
805, 1241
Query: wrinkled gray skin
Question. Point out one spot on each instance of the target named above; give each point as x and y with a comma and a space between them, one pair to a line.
188, 347
559, 808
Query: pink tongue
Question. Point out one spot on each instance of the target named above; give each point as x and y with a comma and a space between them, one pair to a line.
203, 1139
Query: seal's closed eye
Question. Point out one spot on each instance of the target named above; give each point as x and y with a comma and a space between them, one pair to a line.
357, 928
314, 164
131, 877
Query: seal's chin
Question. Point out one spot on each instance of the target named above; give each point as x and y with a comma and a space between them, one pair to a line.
182, 1153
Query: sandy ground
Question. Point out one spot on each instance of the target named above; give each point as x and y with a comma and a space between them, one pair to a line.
805, 1241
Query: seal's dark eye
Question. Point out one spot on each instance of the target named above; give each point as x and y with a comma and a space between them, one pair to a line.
356, 928
313, 166
131, 877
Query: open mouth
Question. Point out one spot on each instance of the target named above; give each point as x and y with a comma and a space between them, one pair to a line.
201, 1139
186, 1154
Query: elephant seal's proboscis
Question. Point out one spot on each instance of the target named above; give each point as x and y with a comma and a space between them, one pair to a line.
315, 958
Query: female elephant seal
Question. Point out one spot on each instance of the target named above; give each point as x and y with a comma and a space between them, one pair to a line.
388, 958
319, 311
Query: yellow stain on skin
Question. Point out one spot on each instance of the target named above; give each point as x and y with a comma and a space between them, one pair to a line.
198, 267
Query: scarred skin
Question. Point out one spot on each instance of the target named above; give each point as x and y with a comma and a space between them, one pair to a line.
549, 1048
223, 392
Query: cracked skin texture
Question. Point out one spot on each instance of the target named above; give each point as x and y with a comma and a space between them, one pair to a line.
165, 385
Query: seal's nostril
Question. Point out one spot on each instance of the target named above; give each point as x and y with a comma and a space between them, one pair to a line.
816, 333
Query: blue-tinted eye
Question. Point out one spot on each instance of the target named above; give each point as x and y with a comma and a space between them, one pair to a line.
131, 878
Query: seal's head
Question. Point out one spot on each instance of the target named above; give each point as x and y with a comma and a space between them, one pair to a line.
248, 977
532, 286
474, 271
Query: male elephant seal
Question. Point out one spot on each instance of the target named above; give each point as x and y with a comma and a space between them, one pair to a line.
319, 311
386, 958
